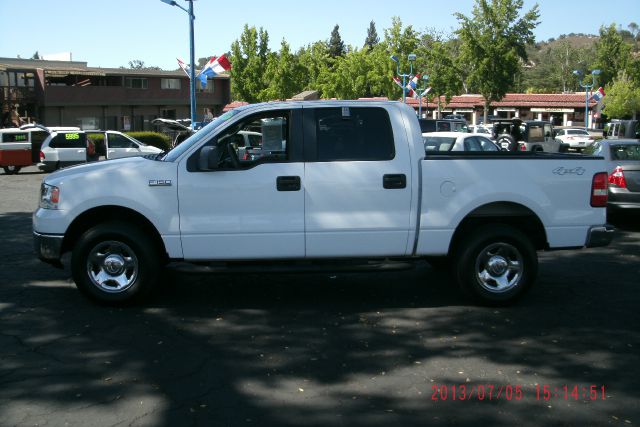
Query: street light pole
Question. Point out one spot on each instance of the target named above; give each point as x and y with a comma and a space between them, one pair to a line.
422, 91
411, 57
586, 88
192, 67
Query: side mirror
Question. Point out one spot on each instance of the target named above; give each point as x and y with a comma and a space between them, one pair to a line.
208, 159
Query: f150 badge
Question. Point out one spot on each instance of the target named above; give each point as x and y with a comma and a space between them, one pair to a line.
159, 183
565, 171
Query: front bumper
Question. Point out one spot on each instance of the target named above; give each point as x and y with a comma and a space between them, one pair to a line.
599, 235
48, 247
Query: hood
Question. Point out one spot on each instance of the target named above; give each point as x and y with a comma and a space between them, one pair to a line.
102, 166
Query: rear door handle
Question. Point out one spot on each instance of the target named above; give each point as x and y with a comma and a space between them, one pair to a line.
288, 183
394, 181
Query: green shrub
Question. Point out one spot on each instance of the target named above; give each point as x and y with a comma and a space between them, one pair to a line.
155, 139
97, 138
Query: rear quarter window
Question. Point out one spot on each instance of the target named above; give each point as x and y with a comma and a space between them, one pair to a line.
15, 137
625, 152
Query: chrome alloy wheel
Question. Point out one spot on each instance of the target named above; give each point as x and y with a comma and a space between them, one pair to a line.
112, 266
499, 267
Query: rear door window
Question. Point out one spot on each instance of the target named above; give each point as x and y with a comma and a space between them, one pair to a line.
354, 134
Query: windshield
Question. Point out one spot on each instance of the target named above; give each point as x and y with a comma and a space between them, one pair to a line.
174, 154
577, 132
438, 143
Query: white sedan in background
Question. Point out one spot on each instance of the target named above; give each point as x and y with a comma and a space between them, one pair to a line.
577, 139
457, 141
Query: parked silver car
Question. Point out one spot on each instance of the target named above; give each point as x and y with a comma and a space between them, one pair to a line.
457, 141
623, 165
577, 139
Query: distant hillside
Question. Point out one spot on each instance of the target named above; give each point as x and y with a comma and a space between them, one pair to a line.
577, 41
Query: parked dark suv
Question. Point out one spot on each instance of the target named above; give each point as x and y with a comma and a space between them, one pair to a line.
443, 125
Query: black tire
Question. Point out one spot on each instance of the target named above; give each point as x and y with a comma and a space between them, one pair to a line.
115, 263
495, 265
11, 170
512, 145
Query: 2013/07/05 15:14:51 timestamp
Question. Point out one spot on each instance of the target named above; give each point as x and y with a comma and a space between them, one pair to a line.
571, 392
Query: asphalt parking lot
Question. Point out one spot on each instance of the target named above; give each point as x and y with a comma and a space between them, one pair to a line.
375, 349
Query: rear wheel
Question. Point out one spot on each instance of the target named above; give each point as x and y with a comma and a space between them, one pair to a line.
496, 265
10, 170
115, 263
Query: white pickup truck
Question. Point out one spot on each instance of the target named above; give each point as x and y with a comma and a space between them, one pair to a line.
331, 181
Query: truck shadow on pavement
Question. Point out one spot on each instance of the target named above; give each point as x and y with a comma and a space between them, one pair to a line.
307, 349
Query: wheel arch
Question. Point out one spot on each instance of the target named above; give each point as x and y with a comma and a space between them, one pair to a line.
101, 214
513, 214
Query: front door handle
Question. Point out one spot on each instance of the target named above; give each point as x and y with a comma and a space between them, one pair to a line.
394, 181
288, 183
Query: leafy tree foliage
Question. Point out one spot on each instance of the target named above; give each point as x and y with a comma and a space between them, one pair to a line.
493, 44
623, 97
284, 74
550, 69
613, 54
249, 59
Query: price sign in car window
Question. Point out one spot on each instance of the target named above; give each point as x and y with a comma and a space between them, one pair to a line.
71, 136
272, 134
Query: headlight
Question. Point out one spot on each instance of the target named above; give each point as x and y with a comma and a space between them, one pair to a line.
49, 196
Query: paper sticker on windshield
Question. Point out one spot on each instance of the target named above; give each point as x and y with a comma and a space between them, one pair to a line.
271, 130
346, 113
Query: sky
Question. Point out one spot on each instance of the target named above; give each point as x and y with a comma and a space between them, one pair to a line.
110, 33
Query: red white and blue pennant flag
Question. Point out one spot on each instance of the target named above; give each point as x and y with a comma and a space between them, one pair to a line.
214, 67
410, 88
598, 95
184, 67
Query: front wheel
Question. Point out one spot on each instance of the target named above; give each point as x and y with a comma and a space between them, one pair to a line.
10, 170
496, 265
115, 263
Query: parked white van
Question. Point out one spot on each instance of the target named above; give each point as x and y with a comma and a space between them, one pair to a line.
67, 148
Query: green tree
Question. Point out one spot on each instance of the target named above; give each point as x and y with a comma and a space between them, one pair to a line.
284, 73
623, 97
249, 56
314, 63
372, 36
493, 41
401, 42
613, 54
444, 70
336, 45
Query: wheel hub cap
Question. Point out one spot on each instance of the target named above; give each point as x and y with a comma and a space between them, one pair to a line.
114, 264
497, 265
